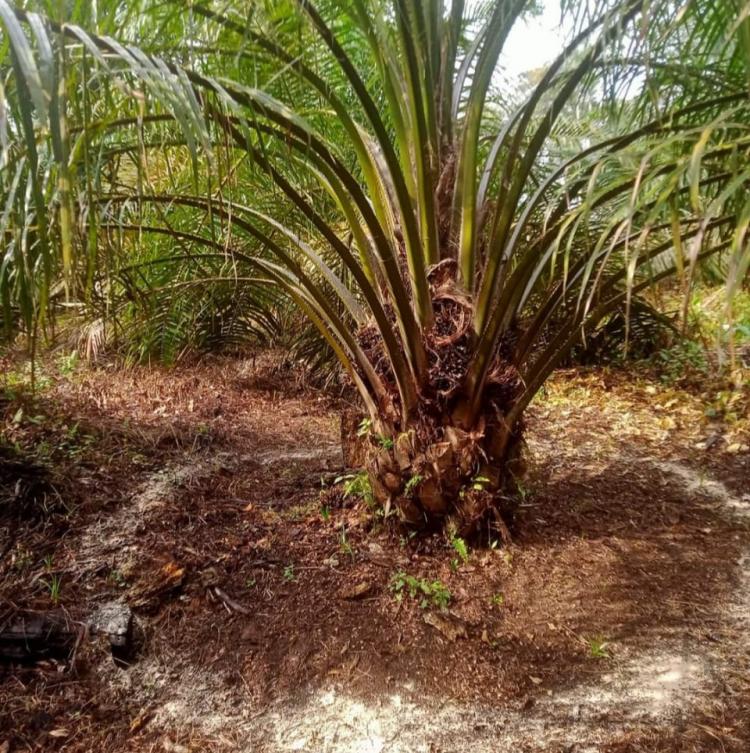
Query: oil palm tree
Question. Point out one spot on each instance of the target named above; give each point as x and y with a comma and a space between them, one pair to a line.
450, 243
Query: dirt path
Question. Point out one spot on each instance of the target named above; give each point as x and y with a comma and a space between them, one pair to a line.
617, 621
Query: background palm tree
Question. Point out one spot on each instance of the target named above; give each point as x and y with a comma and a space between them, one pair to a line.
451, 245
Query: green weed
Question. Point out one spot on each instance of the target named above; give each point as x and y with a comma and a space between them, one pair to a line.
412, 484
344, 546
429, 593
365, 427
385, 442
460, 547
26, 378
598, 647
67, 364
684, 357
477, 484
357, 485
54, 586
116, 578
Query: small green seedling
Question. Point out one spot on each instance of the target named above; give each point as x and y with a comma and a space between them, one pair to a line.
325, 513
430, 593
67, 364
365, 427
412, 484
460, 547
497, 600
344, 546
523, 492
479, 483
288, 573
116, 578
598, 647
54, 586
357, 485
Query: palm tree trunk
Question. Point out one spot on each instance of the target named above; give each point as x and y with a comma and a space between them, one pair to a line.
434, 477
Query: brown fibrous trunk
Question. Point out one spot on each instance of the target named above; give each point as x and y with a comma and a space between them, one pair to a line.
455, 480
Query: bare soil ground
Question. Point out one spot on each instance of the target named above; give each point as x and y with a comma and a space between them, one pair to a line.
617, 620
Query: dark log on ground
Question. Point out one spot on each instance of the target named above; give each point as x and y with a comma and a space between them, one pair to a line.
32, 637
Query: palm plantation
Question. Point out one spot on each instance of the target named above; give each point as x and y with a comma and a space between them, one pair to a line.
452, 238
241, 236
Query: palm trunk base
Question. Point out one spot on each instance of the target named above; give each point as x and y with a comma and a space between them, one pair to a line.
457, 481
